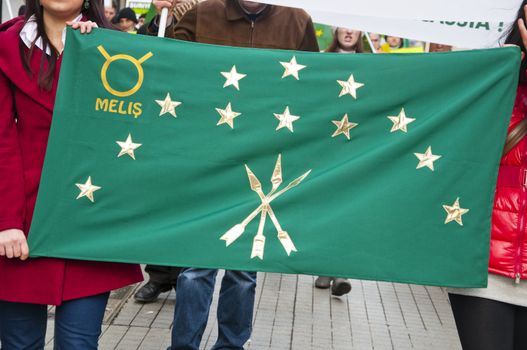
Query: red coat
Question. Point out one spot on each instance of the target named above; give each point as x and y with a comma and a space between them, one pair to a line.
22, 148
508, 246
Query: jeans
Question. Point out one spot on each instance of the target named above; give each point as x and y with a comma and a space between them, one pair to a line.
77, 324
194, 292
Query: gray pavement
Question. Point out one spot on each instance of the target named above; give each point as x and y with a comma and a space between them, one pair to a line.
291, 314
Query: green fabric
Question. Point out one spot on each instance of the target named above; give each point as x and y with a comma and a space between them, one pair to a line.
324, 35
150, 14
364, 211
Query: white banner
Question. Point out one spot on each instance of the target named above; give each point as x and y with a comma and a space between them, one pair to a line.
461, 34
138, 4
440, 10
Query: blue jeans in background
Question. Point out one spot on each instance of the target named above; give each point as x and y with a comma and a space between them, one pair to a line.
195, 288
77, 324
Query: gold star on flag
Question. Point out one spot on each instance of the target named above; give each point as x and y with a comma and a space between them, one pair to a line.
427, 159
455, 213
401, 122
87, 189
349, 87
343, 127
233, 78
128, 147
227, 115
292, 68
168, 106
319, 33
286, 119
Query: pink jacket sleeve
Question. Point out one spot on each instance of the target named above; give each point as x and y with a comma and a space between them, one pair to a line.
12, 196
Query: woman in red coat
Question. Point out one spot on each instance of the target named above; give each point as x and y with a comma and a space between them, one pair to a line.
495, 318
30, 59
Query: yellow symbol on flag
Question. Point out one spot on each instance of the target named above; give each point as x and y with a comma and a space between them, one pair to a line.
137, 64
265, 209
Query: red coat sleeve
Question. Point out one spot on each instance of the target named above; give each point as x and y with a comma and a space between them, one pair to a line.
12, 196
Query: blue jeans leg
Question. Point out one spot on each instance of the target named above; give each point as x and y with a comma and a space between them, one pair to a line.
78, 323
235, 309
194, 291
22, 326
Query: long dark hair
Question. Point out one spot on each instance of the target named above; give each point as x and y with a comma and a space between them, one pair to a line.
94, 13
514, 38
335, 46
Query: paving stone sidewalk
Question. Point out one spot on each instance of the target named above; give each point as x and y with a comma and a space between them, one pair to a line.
291, 314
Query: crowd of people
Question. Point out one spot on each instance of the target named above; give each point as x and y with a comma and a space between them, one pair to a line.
30, 59
127, 20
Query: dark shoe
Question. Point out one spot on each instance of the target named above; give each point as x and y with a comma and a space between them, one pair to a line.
340, 287
150, 292
323, 282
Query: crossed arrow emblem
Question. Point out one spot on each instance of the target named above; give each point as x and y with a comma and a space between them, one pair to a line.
265, 209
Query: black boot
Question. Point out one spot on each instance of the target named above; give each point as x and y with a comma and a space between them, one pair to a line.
150, 292
323, 282
340, 287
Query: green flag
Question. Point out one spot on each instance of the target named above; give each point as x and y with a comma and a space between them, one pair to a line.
176, 153
324, 35
150, 14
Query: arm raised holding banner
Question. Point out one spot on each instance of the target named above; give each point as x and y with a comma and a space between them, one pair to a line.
502, 304
172, 11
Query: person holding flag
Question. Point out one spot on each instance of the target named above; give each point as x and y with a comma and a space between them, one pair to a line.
496, 317
346, 41
162, 278
127, 20
30, 61
234, 23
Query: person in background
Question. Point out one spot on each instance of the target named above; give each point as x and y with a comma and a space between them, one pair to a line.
179, 8
346, 41
440, 48
140, 21
495, 318
110, 12
22, 10
30, 62
392, 43
161, 279
339, 286
376, 41
127, 20
245, 24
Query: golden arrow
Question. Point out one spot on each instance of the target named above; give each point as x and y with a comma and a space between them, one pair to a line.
265, 209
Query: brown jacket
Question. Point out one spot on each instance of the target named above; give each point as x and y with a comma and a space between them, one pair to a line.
223, 22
